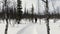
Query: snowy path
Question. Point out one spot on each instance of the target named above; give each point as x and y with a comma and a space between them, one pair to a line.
38, 28
33, 29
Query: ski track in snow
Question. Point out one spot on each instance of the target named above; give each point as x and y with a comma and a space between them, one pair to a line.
32, 28
22, 30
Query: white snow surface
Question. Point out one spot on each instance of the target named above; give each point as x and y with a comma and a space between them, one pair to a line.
30, 28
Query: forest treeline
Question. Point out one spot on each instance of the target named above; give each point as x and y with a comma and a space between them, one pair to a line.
13, 13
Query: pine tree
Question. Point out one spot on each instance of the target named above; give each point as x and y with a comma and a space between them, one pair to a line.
32, 10
25, 9
19, 10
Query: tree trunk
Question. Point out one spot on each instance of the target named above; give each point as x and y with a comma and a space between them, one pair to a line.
6, 29
47, 25
47, 19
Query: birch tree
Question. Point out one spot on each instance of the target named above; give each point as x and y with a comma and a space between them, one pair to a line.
47, 16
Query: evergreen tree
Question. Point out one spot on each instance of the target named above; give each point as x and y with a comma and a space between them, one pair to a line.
19, 10
25, 9
32, 10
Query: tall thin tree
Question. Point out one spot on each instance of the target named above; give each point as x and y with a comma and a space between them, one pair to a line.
32, 10
19, 10
6, 15
47, 16
25, 9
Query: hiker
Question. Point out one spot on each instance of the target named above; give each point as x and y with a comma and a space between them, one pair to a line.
35, 20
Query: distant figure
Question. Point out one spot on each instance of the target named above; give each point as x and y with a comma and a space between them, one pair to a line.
18, 22
35, 20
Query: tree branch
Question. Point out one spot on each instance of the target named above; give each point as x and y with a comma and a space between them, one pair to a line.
44, 1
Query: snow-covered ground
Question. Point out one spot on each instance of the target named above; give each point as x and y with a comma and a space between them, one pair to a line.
30, 28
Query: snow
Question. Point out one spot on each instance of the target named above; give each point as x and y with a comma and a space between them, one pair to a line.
55, 27
2, 28
30, 28
14, 30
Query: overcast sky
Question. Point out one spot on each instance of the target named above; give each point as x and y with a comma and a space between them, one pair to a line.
55, 3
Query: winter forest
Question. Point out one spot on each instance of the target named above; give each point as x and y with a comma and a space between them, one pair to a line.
29, 16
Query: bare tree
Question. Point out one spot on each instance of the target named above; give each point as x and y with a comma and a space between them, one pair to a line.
5, 8
47, 16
